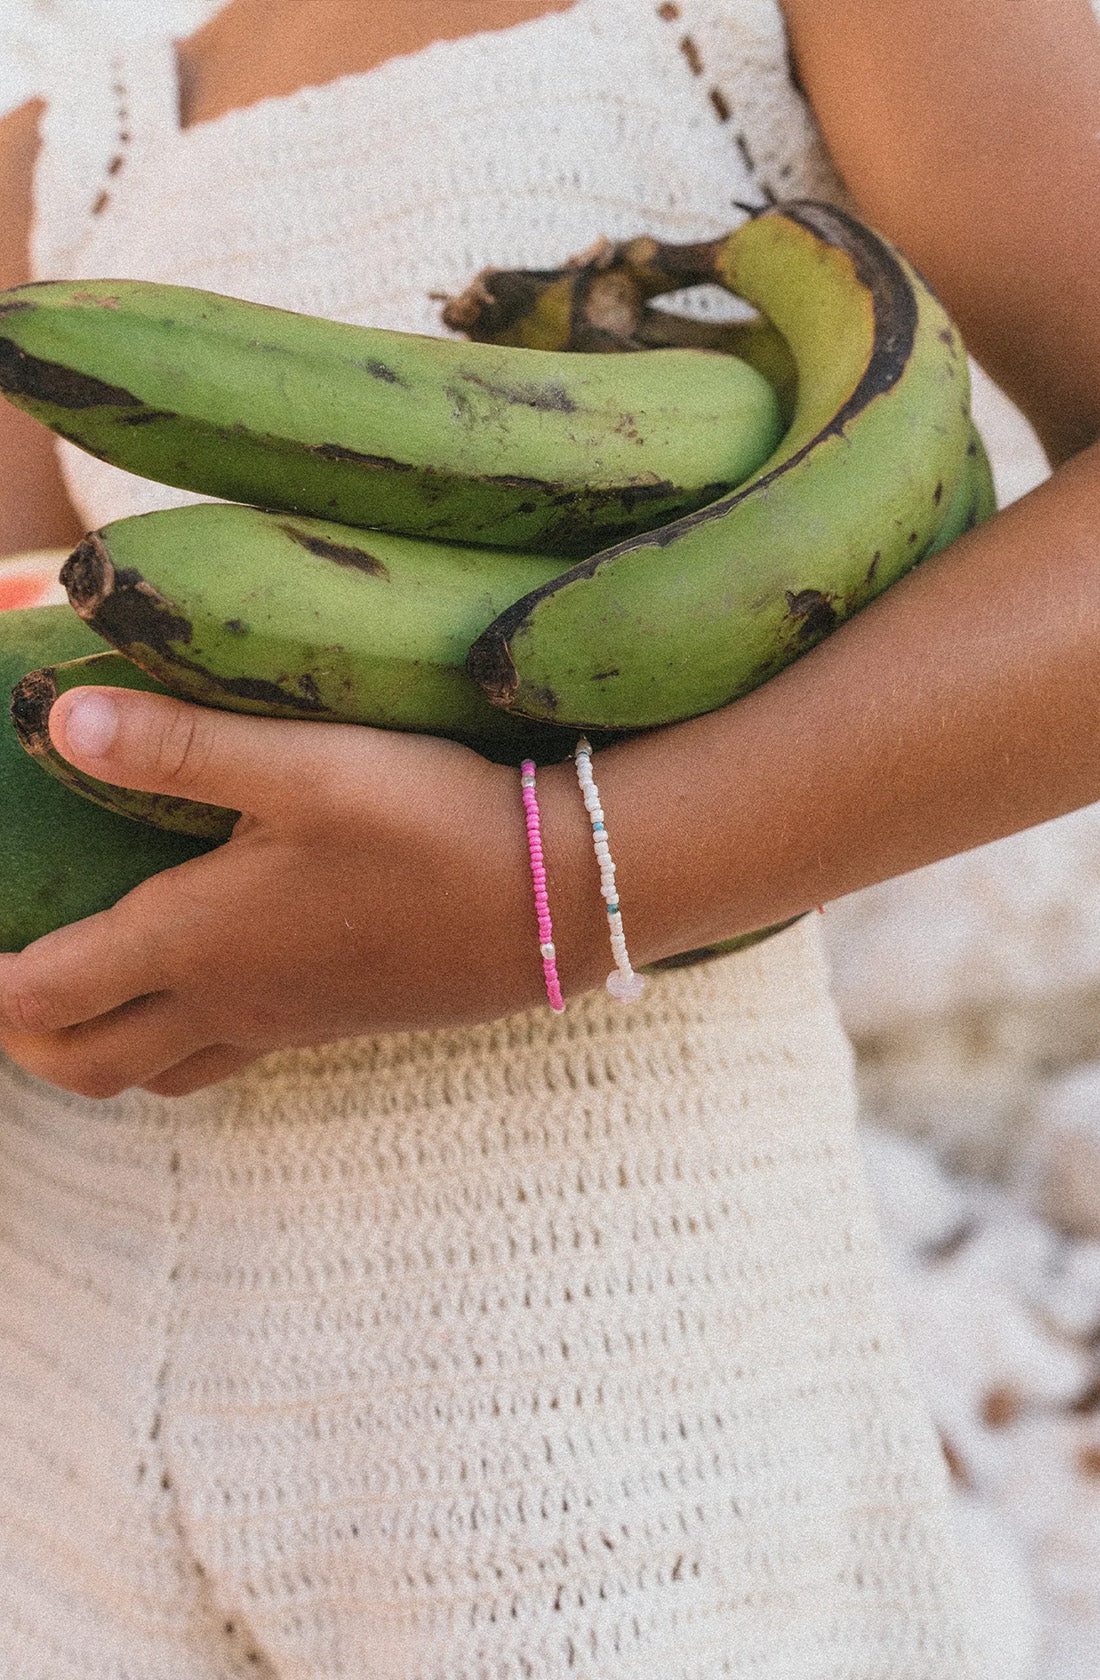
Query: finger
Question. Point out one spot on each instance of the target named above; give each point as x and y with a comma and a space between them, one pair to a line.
102, 1058
204, 1068
163, 745
81, 971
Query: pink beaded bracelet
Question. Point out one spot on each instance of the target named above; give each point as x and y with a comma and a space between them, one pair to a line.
538, 875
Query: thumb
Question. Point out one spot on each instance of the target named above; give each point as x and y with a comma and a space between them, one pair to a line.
163, 745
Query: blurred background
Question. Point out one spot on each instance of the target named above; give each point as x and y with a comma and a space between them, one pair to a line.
971, 991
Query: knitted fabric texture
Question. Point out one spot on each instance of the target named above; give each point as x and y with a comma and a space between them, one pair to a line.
553, 1347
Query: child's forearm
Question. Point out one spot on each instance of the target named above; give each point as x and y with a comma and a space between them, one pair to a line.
35, 511
962, 705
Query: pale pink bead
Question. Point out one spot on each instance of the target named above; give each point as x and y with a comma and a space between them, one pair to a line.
627, 988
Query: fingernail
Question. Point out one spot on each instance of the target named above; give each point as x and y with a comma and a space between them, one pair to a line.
91, 724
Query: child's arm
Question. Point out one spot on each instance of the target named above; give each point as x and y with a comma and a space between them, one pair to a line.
381, 880
968, 132
35, 511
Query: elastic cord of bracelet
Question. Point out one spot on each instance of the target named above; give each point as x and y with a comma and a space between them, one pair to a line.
538, 876
622, 982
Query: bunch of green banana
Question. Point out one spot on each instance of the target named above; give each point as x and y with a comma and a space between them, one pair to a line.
686, 618
416, 606
471, 443
248, 609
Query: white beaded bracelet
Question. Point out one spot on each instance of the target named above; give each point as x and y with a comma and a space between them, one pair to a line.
622, 983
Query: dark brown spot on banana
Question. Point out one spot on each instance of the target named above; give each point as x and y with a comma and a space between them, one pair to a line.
517, 481
31, 699
379, 370
119, 604
340, 452
88, 574
549, 399
341, 553
24, 375
720, 104
815, 611
489, 663
257, 689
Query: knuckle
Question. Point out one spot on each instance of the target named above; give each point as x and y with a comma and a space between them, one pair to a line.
185, 747
27, 1008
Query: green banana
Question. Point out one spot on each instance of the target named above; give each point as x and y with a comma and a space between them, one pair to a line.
686, 618
263, 612
31, 702
483, 444
754, 341
975, 498
61, 857
563, 309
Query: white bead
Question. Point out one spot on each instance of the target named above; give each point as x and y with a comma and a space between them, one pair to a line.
547, 950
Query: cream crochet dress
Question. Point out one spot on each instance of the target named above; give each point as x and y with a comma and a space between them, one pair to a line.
557, 1347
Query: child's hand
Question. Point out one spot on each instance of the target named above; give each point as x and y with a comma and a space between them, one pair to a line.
375, 881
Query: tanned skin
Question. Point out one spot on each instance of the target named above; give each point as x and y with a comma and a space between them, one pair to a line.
35, 511
379, 881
